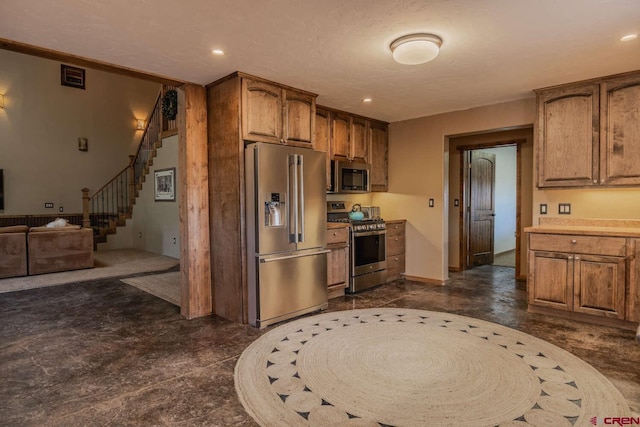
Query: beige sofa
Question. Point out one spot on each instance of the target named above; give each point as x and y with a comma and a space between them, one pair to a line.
59, 249
13, 251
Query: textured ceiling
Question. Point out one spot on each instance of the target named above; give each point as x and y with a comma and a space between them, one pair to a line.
493, 50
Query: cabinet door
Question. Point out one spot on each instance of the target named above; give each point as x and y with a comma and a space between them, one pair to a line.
551, 280
620, 131
599, 285
359, 140
379, 157
261, 112
568, 136
299, 115
340, 134
338, 267
323, 138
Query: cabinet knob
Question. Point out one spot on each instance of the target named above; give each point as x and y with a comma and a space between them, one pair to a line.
577, 258
396, 239
595, 181
574, 241
602, 181
335, 233
570, 257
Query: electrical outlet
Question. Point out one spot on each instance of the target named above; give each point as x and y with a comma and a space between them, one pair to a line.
431, 203
48, 205
564, 208
543, 208
174, 240
140, 235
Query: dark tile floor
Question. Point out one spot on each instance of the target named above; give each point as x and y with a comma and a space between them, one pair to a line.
105, 353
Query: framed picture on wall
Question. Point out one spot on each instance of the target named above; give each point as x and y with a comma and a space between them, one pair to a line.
72, 76
165, 185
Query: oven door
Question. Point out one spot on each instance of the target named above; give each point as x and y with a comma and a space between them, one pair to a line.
368, 252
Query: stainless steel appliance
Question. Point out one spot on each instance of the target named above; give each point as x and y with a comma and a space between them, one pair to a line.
367, 252
349, 177
286, 232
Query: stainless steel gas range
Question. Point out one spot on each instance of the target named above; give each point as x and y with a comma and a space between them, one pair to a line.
367, 252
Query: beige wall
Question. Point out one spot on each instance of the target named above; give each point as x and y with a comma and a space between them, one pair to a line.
157, 224
454, 185
42, 121
418, 170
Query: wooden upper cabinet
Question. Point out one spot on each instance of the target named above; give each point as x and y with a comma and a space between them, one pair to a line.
589, 133
299, 114
379, 156
323, 138
359, 139
620, 131
261, 111
568, 136
273, 114
340, 136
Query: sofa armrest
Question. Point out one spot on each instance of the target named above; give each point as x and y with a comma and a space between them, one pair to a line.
13, 254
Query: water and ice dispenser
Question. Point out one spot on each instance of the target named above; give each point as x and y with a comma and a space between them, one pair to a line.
274, 210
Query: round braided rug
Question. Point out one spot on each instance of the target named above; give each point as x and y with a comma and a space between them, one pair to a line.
403, 367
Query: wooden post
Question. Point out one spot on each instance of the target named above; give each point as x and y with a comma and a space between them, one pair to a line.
193, 161
132, 180
86, 222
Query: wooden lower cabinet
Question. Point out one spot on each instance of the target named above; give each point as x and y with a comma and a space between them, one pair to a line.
395, 249
337, 261
582, 281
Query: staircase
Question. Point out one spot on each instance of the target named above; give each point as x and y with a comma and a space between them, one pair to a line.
110, 206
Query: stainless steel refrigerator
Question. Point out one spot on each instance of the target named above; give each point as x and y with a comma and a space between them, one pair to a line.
286, 232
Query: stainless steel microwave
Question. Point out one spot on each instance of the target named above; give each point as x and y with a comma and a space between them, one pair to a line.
349, 177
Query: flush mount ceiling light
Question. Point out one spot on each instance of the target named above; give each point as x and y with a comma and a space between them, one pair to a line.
218, 52
415, 49
629, 37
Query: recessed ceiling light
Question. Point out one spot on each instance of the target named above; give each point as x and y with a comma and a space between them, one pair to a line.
218, 52
628, 37
367, 100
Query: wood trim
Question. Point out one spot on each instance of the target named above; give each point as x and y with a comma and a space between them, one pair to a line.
195, 264
242, 75
94, 64
596, 80
455, 269
491, 144
587, 318
425, 279
357, 116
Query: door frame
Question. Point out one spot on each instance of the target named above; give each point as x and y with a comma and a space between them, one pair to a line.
463, 220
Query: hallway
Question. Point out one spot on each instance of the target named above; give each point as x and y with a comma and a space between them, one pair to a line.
102, 352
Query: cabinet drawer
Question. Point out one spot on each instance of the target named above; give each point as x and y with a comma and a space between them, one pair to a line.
338, 235
395, 229
395, 262
395, 245
614, 246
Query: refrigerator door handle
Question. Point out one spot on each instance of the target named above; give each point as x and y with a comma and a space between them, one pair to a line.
301, 197
293, 191
324, 251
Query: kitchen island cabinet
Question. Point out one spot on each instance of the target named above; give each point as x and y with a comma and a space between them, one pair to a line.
395, 249
588, 272
338, 258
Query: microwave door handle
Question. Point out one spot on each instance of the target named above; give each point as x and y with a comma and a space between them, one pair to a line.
301, 196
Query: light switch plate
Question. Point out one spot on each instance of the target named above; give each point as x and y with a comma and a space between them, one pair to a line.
456, 202
431, 203
48, 205
543, 208
564, 208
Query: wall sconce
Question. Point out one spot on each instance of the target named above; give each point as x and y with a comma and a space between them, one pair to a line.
1, 101
140, 124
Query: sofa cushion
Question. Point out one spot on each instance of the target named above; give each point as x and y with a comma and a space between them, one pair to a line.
14, 229
60, 250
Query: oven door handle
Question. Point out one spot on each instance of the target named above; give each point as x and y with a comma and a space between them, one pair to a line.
369, 233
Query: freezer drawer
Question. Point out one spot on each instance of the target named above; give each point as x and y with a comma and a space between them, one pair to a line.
290, 285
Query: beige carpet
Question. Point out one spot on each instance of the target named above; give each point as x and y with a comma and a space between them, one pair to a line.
403, 367
165, 285
112, 263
